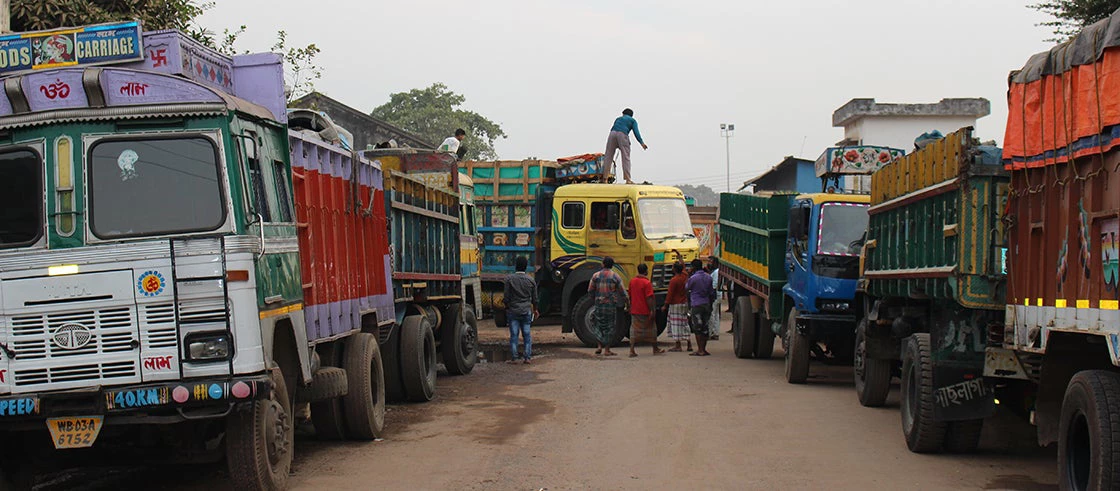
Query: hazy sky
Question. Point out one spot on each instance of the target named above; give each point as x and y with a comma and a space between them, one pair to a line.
555, 74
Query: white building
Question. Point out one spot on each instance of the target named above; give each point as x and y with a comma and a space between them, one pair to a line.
867, 122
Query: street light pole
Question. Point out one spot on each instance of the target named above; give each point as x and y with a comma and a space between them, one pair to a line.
727, 130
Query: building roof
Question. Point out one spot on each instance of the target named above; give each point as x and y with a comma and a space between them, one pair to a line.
786, 162
856, 109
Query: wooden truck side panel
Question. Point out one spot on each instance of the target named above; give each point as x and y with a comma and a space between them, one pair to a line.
752, 231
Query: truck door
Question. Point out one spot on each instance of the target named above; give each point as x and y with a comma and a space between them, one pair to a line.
797, 248
604, 237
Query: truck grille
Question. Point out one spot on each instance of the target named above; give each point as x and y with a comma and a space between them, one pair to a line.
661, 275
111, 339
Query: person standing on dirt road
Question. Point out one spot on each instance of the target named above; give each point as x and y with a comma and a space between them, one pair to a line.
521, 305
700, 298
676, 307
609, 295
641, 311
713, 324
619, 139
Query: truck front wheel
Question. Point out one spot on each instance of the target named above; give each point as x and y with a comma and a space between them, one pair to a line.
765, 341
1089, 433
743, 325
797, 353
873, 376
923, 434
418, 358
260, 440
581, 321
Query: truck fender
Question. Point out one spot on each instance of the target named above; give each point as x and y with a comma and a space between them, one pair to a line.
577, 277
298, 329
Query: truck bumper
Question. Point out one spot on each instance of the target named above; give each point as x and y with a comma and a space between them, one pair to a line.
822, 325
155, 399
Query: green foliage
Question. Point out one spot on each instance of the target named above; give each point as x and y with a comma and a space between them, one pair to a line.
1070, 16
37, 15
703, 195
434, 113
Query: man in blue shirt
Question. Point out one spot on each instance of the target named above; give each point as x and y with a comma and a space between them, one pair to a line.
619, 139
701, 294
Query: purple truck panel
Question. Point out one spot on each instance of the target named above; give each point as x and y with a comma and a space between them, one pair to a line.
55, 89
127, 87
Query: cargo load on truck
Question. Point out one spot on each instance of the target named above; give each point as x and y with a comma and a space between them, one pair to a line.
933, 286
1060, 343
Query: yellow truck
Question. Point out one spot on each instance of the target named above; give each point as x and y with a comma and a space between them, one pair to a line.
565, 227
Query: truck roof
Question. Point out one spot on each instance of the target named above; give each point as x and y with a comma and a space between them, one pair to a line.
819, 198
618, 191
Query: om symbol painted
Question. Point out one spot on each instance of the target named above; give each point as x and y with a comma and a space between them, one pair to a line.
150, 283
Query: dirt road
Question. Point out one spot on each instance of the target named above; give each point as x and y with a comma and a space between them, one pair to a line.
572, 421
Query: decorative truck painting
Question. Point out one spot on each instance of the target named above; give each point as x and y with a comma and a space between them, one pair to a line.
100, 44
176, 252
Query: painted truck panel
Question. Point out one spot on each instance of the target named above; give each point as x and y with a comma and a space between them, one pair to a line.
753, 231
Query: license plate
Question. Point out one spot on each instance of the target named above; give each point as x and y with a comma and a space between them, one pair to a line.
75, 432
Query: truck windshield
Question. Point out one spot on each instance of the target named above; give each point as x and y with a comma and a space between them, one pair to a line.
154, 186
664, 218
21, 203
842, 228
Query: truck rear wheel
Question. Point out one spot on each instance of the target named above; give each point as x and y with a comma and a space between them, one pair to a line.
797, 353
391, 365
873, 376
743, 327
418, 358
260, 440
460, 340
1088, 434
923, 433
765, 341
364, 402
963, 436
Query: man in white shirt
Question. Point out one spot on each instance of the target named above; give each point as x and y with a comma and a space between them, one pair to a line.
451, 144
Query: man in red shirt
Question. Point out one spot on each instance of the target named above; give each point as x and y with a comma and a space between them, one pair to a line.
642, 325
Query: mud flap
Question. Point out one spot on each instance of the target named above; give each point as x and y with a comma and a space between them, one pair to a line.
958, 342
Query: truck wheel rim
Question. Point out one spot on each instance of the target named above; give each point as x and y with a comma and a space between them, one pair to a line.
1078, 452
468, 340
857, 364
276, 432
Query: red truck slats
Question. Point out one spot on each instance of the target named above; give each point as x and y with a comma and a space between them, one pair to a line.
343, 237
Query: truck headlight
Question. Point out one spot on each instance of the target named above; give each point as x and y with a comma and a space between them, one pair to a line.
835, 306
211, 346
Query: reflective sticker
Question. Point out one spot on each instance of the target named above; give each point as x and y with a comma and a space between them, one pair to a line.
150, 283
127, 162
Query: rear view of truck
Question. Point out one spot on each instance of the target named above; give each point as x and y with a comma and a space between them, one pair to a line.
1060, 343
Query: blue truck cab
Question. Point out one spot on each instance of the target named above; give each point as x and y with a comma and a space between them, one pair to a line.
825, 235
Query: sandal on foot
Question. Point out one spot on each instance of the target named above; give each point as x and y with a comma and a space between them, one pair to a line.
612, 353
696, 354
633, 355
674, 350
690, 350
598, 352
659, 352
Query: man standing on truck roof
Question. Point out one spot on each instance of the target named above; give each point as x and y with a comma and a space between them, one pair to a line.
521, 305
619, 139
609, 295
700, 298
676, 307
451, 143
641, 311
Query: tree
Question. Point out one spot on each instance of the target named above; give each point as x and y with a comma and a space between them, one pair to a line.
434, 113
1070, 16
37, 15
703, 195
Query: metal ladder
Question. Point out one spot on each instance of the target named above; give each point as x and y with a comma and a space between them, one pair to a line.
176, 281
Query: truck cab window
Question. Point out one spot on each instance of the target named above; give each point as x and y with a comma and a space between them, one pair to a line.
604, 216
22, 198
572, 215
260, 199
629, 226
284, 203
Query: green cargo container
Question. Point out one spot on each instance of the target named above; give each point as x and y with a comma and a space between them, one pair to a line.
512, 180
752, 232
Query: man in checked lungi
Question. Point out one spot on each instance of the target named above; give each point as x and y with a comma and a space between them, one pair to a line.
676, 305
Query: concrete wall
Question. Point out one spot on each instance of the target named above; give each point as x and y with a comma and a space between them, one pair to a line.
900, 131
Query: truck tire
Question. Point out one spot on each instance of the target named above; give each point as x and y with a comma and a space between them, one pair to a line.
797, 355
765, 340
581, 312
391, 366
364, 403
418, 358
743, 327
1089, 433
327, 414
460, 340
923, 434
963, 436
260, 439
873, 376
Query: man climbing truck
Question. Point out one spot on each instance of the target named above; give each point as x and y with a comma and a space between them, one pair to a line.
565, 226
791, 263
933, 287
181, 268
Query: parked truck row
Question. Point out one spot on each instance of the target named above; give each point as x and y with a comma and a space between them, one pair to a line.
186, 264
977, 277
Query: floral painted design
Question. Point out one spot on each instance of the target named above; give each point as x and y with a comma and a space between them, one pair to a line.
856, 160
